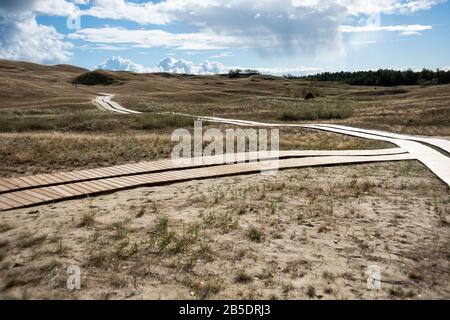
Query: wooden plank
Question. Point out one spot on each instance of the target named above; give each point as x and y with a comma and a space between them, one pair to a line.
28, 197
110, 173
47, 180
138, 178
53, 177
11, 203
7, 186
69, 189
37, 181
102, 173
28, 181
127, 169
105, 186
132, 168
118, 181
48, 193
133, 180
81, 187
19, 183
14, 197
90, 187
88, 174
70, 177
128, 180
5, 206
39, 196
172, 164
126, 183
80, 174
95, 186
163, 166
61, 191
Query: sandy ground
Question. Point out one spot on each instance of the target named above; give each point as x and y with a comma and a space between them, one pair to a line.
303, 234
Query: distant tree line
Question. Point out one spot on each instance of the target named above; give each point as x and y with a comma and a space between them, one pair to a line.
238, 73
383, 77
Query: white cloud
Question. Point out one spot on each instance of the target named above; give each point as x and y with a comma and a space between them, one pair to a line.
173, 65
22, 38
121, 64
56, 7
371, 7
170, 65
403, 29
48, 7
144, 13
221, 55
155, 38
182, 66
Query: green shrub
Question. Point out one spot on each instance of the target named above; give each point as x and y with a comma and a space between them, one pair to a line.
317, 112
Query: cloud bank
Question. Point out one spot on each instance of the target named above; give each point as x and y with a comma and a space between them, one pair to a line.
121, 64
181, 66
173, 65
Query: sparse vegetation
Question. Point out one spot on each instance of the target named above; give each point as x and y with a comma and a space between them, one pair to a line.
243, 277
164, 241
27, 240
311, 292
223, 221
400, 293
317, 112
5, 227
255, 234
87, 220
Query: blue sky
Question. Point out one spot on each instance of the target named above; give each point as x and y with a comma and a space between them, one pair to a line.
198, 36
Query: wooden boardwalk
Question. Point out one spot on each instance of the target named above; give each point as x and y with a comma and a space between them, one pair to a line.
418, 146
105, 103
34, 190
27, 182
